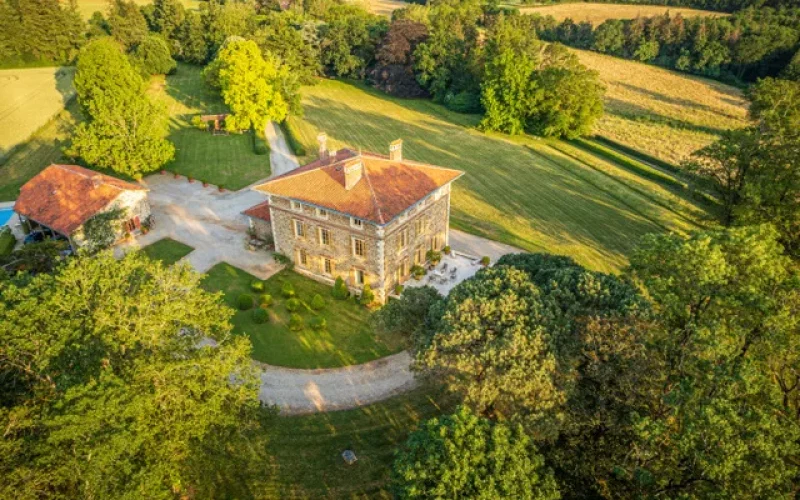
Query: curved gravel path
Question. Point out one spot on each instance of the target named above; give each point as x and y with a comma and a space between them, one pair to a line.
309, 391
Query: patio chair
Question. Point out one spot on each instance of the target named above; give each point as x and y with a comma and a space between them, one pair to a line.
444, 267
454, 273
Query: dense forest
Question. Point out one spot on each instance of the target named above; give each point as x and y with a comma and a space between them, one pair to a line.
745, 46
718, 5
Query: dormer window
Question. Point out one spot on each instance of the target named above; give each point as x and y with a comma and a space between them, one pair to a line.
322, 213
356, 223
297, 206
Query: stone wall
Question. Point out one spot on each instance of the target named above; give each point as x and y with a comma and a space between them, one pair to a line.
134, 203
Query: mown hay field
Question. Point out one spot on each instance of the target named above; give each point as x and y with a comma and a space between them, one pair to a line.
663, 113
29, 99
596, 13
88, 7
524, 192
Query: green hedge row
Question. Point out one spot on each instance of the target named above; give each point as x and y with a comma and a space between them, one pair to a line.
291, 134
7, 242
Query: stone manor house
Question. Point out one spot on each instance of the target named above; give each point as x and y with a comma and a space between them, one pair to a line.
366, 217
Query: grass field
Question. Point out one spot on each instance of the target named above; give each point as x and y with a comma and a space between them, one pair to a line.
596, 13
88, 7
167, 251
522, 192
29, 98
306, 451
223, 160
347, 340
663, 113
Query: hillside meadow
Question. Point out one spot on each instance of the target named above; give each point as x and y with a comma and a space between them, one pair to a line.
88, 7
660, 112
596, 13
537, 195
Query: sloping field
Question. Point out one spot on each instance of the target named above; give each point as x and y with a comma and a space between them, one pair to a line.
524, 193
88, 7
663, 113
29, 98
596, 13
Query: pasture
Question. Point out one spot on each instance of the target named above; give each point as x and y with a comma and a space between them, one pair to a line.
521, 191
89, 7
29, 99
660, 112
222, 160
596, 13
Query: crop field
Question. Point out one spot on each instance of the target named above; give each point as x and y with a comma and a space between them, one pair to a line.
524, 192
596, 13
663, 113
88, 7
29, 98
222, 160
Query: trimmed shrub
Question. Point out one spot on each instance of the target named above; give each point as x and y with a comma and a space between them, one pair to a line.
318, 323
417, 271
257, 286
198, 123
433, 256
292, 305
398, 289
245, 301
295, 322
287, 290
447, 250
260, 145
340, 291
260, 316
367, 296
265, 300
317, 302
485, 260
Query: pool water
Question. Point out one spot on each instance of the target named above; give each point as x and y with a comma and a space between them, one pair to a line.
5, 216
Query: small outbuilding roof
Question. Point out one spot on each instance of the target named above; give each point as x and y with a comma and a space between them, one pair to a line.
64, 197
260, 211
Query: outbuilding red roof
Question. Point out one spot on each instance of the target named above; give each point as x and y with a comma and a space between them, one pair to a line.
386, 189
63, 197
260, 211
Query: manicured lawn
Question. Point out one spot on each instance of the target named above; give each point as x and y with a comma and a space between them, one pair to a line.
347, 340
226, 160
521, 191
167, 251
306, 451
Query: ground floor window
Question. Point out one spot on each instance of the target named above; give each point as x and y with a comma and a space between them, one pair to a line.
402, 271
133, 224
302, 258
358, 276
436, 242
327, 265
419, 255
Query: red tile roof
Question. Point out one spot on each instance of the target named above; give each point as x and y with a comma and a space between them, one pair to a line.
63, 197
260, 211
386, 189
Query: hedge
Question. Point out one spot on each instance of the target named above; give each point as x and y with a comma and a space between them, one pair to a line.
7, 242
260, 144
260, 316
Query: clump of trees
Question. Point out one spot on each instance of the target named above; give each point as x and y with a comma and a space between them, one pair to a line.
676, 378
124, 130
39, 31
747, 45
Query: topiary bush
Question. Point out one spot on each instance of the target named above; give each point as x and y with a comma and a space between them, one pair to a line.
295, 322
340, 291
317, 303
318, 323
292, 305
398, 289
260, 316
265, 300
367, 296
485, 260
417, 271
257, 286
245, 301
447, 250
287, 290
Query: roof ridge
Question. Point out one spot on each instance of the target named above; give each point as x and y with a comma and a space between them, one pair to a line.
372, 193
414, 163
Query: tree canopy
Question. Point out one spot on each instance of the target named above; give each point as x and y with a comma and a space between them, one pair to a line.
153, 57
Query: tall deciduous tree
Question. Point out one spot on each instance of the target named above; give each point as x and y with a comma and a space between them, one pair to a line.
123, 402
466, 456
126, 23
251, 86
40, 30
125, 131
153, 56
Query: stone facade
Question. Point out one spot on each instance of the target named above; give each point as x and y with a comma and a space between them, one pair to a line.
324, 244
137, 211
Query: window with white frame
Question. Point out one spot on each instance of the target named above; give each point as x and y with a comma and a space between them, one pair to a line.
327, 266
322, 213
297, 206
324, 236
359, 247
402, 239
302, 258
356, 223
358, 276
299, 228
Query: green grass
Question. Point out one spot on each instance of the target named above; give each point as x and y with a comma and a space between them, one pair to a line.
167, 251
347, 340
306, 451
222, 160
521, 191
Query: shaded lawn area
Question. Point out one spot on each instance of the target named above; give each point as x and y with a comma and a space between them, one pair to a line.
306, 450
167, 251
222, 160
521, 191
347, 340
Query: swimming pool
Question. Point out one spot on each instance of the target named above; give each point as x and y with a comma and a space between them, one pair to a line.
5, 216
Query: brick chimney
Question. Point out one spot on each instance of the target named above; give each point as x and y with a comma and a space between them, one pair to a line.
396, 150
353, 172
322, 139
